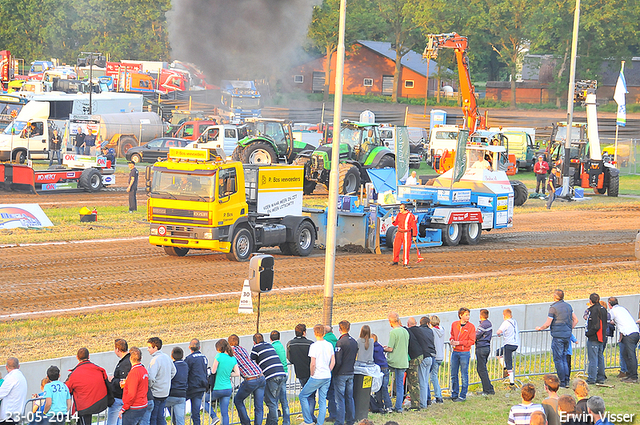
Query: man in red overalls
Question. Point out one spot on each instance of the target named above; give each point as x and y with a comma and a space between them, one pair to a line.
406, 223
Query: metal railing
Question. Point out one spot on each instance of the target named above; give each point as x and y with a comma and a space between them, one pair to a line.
532, 358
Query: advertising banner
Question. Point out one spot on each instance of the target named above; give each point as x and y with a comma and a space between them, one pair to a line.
23, 215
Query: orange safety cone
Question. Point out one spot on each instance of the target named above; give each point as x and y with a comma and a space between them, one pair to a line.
420, 259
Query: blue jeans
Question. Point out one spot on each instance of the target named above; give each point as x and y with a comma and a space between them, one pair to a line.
482, 357
248, 387
383, 393
114, 411
157, 415
146, 418
53, 154
435, 367
176, 406
595, 354
629, 343
398, 378
224, 396
313, 385
424, 371
272, 396
79, 150
132, 416
345, 406
331, 400
459, 361
196, 402
312, 399
284, 402
559, 347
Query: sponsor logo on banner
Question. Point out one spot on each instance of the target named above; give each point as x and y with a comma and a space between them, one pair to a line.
23, 215
466, 216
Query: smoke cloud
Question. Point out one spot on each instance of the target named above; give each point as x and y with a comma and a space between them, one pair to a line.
239, 39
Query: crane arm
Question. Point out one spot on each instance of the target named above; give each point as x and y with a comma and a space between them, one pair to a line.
460, 44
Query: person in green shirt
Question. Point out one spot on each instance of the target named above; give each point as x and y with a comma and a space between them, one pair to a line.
282, 354
398, 355
224, 366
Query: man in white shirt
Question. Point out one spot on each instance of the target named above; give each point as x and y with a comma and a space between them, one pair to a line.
322, 362
412, 180
13, 393
629, 336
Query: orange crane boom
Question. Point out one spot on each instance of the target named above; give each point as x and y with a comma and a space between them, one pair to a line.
473, 119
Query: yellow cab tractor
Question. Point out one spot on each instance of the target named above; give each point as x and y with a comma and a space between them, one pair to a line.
197, 200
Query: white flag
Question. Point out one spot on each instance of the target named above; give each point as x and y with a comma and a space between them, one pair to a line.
619, 97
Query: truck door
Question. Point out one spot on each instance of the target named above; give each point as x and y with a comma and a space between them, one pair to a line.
36, 139
230, 201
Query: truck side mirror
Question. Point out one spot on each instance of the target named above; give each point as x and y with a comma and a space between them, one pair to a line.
148, 173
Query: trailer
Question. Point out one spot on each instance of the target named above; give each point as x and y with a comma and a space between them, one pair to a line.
78, 172
452, 213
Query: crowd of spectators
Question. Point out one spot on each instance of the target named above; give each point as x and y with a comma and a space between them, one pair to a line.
325, 368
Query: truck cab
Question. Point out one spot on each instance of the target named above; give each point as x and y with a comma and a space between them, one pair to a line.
225, 137
192, 130
198, 200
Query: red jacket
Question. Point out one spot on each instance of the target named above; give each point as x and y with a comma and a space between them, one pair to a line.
466, 335
87, 385
134, 395
406, 222
541, 167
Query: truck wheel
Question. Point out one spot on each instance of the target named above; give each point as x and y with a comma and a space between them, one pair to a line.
136, 158
387, 162
451, 234
520, 192
237, 153
303, 240
174, 251
390, 236
259, 153
90, 180
470, 233
126, 143
349, 181
20, 157
614, 185
241, 246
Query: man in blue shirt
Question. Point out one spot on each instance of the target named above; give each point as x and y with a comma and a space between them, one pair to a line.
265, 355
561, 320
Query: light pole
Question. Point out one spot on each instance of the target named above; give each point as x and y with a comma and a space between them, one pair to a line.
100, 61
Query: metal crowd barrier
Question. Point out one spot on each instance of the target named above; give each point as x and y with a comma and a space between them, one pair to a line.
532, 358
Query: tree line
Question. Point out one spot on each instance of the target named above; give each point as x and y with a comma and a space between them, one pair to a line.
500, 32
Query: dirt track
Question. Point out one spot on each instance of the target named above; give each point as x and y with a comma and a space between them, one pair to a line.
53, 278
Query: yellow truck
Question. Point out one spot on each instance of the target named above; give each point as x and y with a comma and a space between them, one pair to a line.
197, 200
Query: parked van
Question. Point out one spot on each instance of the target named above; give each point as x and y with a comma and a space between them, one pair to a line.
522, 144
442, 138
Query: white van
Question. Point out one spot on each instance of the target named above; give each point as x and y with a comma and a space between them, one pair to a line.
220, 136
443, 137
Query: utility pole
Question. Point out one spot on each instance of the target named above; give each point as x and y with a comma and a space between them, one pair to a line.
332, 213
572, 88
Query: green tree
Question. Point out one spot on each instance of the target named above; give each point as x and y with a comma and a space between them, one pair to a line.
403, 31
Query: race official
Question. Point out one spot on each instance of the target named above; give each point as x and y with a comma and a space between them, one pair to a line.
541, 169
407, 229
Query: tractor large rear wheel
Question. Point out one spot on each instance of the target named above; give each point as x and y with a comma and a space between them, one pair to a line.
520, 192
309, 185
237, 153
259, 153
349, 181
614, 185
90, 180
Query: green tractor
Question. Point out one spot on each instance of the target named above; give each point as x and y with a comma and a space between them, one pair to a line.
269, 141
360, 148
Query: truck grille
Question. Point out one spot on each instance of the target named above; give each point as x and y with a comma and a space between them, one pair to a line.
177, 216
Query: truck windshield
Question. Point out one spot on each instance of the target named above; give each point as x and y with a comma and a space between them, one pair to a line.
15, 127
245, 102
562, 134
183, 184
